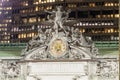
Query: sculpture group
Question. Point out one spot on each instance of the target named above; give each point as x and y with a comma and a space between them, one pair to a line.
60, 42
78, 45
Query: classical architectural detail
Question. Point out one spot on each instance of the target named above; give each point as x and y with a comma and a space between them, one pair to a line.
61, 53
58, 42
107, 70
10, 70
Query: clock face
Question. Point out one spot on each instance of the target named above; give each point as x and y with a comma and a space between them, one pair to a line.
58, 48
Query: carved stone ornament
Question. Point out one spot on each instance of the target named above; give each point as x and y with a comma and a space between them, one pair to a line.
59, 42
10, 70
107, 70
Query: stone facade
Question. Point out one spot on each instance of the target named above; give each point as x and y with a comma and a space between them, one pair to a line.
60, 53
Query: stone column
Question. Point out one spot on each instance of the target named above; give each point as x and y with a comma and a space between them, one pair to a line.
92, 67
23, 71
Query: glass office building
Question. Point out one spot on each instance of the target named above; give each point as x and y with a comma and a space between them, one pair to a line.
5, 20
97, 19
20, 20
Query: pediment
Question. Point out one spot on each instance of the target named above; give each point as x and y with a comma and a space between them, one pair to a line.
59, 42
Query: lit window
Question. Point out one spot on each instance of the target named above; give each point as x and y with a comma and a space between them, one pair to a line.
5, 33
28, 35
5, 41
92, 4
19, 36
108, 16
111, 15
32, 34
98, 16
25, 20
86, 24
24, 35
72, 5
37, 3
43, 19
7, 8
39, 19
83, 24
116, 30
49, 7
109, 4
104, 16
112, 4
10, 20
82, 30
37, 8
108, 30
96, 24
51, 0
80, 23
5, 24
25, 3
33, 27
1, 8
8, 41
31, 20
116, 4
112, 30
117, 15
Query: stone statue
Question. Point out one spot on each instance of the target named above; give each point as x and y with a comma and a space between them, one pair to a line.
77, 45
58, 20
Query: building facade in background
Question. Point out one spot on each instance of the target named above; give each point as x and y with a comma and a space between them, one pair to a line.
97, 19
5, 20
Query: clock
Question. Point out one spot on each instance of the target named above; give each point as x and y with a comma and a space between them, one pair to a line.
58, 48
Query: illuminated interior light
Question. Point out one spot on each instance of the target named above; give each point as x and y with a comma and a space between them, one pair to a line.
112, 4
117, 15
111, 15
37, 8
112, 30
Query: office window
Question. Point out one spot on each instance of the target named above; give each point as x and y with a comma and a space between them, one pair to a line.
82, 30
22, 36
98, 16
35, 1
32, 20
24, 20
37, 8
43, 1
5, 41
24, 3
116, 4
117, 15
48, 7
92, 4
109, 4
72, 5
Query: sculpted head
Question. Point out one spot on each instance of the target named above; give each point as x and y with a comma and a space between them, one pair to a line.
59, 8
